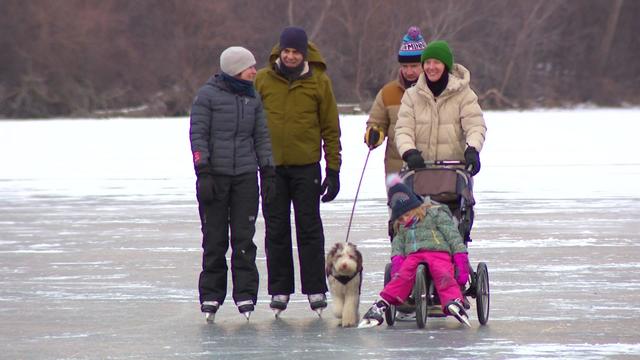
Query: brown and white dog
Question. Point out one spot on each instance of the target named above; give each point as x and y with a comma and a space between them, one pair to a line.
344, 273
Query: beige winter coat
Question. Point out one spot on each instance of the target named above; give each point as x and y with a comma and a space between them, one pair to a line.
441, 127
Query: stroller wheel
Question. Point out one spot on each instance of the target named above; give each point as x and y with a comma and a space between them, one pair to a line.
420, 295
482, 293
390, 313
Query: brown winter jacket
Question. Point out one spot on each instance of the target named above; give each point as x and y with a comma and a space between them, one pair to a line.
384, 114
302, 116
441, 127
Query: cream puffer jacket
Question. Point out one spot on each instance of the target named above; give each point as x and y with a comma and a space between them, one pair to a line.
441, 127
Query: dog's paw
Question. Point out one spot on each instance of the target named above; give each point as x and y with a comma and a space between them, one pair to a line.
348, 323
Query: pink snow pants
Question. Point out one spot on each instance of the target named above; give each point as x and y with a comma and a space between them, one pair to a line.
441, 270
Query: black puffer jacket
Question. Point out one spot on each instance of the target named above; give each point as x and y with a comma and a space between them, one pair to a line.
228, 132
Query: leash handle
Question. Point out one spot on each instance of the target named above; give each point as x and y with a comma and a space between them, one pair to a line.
355, 200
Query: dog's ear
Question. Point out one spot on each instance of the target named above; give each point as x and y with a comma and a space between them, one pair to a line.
358, 257
330, 258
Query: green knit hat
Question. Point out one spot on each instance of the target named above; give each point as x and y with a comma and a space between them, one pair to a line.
439, 50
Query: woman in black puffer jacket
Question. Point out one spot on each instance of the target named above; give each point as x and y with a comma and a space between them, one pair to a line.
230, 142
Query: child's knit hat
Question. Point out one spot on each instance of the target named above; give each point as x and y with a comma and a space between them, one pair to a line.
401, 197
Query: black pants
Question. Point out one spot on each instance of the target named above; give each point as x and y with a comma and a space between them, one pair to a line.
300, 185
233, 210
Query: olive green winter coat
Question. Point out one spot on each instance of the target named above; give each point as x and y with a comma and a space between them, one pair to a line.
302, 116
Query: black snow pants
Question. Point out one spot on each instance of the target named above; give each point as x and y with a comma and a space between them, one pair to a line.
233, 211
299, 185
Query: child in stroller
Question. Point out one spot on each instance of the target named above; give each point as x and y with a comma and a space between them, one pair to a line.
426, 233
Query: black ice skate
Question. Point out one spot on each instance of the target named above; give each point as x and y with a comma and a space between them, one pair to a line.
245, 308
318, 302
374, 316
209, 308
279, 304
456, 309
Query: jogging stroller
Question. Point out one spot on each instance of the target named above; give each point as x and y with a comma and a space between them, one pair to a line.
448, 183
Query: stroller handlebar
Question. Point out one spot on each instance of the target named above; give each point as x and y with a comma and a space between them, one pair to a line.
441, 163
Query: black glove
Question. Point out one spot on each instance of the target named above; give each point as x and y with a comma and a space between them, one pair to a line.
472, 158
373, 136
268, 184
331, 185
414, 159
204, 184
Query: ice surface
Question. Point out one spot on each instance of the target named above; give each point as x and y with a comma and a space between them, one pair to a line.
100, 246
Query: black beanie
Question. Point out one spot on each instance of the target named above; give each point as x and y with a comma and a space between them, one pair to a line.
401, 197
294, 38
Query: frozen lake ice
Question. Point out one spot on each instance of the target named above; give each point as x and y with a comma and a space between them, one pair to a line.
100, 246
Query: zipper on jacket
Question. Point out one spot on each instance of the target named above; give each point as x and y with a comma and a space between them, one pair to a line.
240, 115
435, 237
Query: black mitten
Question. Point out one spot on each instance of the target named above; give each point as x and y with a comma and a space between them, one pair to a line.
204, 184
472, 158
414, 159
330, 185
268, 184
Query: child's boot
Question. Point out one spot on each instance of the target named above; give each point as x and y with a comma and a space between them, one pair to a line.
279, 304
375, 315
456, 309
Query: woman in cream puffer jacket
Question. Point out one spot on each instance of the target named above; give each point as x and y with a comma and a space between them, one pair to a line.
440, 118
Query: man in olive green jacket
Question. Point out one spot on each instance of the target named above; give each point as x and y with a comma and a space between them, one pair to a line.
302, 117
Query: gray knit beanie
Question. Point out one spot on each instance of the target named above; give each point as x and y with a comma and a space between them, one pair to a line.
236, 59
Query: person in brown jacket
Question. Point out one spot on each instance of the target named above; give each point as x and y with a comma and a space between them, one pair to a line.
384, 112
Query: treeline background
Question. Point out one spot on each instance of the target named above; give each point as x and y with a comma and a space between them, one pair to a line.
93, 57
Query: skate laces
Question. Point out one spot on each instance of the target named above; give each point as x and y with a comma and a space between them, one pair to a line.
377, 310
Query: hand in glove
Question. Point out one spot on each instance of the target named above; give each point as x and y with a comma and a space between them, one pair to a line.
330, 185
472, 158
268, 184
461, 263
204, 184
414, 159
373, 136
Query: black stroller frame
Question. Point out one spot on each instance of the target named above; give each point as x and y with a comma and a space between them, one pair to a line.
446, 182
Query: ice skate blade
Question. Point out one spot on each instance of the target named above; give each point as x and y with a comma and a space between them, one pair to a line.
453, 310
247, 315
319, 312
209, 317
366, 324
400, 316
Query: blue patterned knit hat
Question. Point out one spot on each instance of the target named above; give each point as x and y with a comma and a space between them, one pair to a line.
401, 197
412, 46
